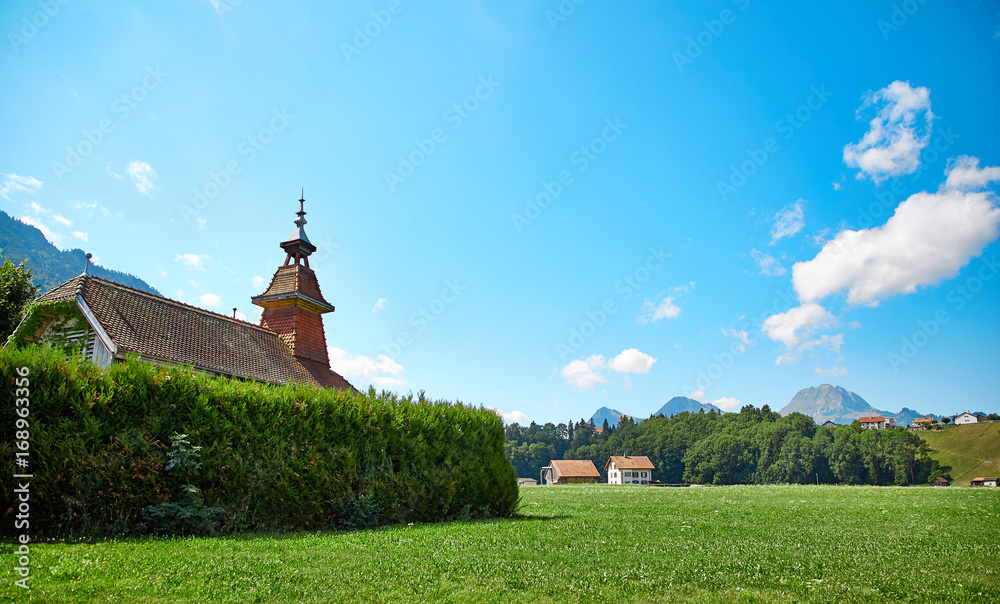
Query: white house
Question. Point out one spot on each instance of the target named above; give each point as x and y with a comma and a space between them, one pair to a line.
985, 482
876, 422
626, 469
968, 418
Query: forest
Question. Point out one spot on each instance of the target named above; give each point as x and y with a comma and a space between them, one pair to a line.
754, 446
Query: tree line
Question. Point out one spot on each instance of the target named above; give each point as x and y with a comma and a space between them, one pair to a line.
754, 446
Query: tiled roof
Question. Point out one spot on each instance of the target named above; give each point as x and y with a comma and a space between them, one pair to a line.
143, 323
630, 462
575, 467
981, 479
871, 419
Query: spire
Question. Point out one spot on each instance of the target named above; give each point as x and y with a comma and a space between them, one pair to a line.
298, 246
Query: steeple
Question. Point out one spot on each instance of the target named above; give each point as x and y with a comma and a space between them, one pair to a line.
297, 246
293, 303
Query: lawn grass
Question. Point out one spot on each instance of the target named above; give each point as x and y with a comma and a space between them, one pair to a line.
971, 450
579, 543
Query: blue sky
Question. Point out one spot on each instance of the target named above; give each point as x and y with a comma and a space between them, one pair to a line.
544, 207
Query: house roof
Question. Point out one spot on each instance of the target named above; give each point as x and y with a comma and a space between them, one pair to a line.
871, 419
923, 420
629, 462
575, 467
154, 326
980, 479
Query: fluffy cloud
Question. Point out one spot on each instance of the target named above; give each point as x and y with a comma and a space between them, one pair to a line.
790, 326
584, 374
788, 221
192, 260
210, 300
13, 182
767, 263
378, 371
142, 175
53, 238
379, 304
61, 219
512, 417
631, 361
90, 208
258, 282
824, 342
928, 238
893, 143
727, 403
964, 174
81, 235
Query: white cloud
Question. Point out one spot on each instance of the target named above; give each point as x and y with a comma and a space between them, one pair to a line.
825, 342
741, 336
111, 172
80, 235
192, 260
379, 304
583, 374
786, 327
788, 221
964, 174
831, 372
631, 361
698, 395
666, 308
378, 371
258, 282
893, 143
767, 263
651, 311
854, 325
240, 316
210, 300
727, 403
142, 175
13, 182
928, 238
512, 417
37, 208
61, 219
90, 208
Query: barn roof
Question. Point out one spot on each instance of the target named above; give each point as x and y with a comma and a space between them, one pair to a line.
575, 467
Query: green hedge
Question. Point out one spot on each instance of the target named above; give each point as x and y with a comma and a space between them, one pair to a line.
272, 457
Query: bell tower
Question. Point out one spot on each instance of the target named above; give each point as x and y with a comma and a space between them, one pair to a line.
293, 304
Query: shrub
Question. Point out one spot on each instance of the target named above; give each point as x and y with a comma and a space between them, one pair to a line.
272, 457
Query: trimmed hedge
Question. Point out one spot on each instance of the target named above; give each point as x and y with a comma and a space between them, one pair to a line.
274, 458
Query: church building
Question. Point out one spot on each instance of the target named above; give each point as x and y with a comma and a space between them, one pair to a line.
109, 321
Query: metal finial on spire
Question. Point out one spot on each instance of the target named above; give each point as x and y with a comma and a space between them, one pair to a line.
86, 266
302, 212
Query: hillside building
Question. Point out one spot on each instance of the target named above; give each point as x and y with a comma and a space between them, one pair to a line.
876, 422
968, 418
107, 321
626, 469
985, 482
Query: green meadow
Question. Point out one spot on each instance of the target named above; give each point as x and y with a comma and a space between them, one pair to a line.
593, 543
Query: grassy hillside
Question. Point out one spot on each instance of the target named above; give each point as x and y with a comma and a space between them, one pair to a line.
971, 451
585, 543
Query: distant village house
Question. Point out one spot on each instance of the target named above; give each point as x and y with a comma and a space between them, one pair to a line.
876, 422
107, 321
923, 423
570, 471
627, 469
526, 482
968, 418
984, 482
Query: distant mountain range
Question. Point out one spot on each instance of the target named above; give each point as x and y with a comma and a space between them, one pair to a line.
605, 413
833, 403
680, 404
50, 266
